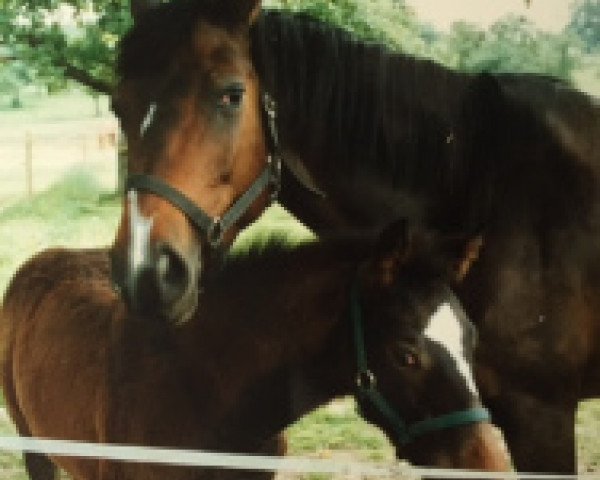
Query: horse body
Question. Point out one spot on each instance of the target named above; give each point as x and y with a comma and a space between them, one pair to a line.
271, 341
514, 157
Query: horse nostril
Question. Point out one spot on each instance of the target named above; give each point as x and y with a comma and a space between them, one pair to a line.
172, 274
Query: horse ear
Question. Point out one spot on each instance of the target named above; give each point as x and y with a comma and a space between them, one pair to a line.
140, 7
255, 11
238, 12
392, 248
462, 253
249, 10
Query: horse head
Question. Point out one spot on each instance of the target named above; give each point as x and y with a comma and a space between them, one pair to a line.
190, 106
414, 347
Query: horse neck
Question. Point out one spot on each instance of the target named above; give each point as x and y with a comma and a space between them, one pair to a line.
267, 340
349, 103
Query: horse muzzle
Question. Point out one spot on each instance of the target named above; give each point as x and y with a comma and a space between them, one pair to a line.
162, 282
475, 447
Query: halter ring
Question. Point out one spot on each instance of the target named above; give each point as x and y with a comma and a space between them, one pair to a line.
215, 233
365, 380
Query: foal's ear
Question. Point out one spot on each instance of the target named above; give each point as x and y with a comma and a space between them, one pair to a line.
248, 10
462, 254
392, 248
254, 11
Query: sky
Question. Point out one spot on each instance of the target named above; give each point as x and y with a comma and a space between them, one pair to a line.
550, 15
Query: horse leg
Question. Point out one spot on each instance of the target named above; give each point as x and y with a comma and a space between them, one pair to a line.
39, 467
540, 435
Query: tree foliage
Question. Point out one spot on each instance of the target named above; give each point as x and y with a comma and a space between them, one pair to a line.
386, 21
585, 22
512, 44
77, 39
74, 39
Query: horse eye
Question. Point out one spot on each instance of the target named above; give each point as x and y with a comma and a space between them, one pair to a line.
231, 97
406, 357
410, 359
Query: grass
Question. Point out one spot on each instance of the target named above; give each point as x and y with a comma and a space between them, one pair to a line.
337, 426
73, 213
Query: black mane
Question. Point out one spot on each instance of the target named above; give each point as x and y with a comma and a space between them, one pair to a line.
372, 111
334, 83
448, 136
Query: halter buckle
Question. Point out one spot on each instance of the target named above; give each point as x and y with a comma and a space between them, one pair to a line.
270, 105
365, 380
215, 233
274, 163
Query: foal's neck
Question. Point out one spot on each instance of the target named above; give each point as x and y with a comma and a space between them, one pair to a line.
269, 338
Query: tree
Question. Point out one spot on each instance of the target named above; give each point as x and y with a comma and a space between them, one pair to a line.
72, 39
77, 39
464, 39
511, 44
585, 22
386, 21
13, 75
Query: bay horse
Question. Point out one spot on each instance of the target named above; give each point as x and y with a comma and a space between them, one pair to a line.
279, 332
515, 158
206, 162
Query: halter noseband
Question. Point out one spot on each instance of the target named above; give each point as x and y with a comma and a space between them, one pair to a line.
215, 227
366, 383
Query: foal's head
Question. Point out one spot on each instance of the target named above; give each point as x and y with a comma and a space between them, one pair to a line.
416, 378
189, 103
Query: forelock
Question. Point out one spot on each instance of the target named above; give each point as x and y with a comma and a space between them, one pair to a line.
159, 33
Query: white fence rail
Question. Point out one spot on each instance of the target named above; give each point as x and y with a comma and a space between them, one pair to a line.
206, 459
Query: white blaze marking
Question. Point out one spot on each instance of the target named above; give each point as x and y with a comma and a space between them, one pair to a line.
140, 227
446, 329
148, 119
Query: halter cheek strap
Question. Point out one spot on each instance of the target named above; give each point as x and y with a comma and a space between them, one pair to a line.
215, 227
366, 383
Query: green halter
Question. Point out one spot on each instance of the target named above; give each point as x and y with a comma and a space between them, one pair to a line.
367, 388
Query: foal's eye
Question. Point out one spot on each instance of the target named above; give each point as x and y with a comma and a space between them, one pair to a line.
409, 359
406, 357
231, 97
